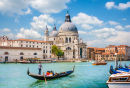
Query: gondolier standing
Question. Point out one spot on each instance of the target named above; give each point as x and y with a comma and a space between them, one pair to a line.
39, 67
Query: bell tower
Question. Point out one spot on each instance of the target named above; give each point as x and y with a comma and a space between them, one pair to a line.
67, 17
46, 34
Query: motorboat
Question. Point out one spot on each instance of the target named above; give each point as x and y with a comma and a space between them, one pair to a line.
119, 80
99, 63
24, 61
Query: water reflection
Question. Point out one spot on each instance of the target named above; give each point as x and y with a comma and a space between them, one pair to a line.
37, 83
42, 83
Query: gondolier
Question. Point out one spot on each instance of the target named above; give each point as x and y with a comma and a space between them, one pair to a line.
39, 68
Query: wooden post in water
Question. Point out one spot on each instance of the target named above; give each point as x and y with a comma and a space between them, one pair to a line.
116, 62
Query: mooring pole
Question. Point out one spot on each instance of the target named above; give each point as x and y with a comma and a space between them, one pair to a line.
116, 62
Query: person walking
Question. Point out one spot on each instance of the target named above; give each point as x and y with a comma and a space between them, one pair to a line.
39, 67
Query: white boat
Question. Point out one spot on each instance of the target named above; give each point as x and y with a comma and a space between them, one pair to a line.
119, 80
78, 61
24, 61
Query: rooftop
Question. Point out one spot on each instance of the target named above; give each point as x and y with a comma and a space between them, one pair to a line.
30, 40
7, 47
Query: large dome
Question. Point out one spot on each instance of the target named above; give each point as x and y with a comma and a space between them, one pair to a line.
67, 26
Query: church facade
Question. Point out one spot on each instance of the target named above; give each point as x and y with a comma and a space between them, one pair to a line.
67, 39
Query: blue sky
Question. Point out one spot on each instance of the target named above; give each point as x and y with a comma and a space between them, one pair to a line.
99, 22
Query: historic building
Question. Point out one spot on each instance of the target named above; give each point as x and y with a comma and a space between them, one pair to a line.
108, 53
67, 39
11, 54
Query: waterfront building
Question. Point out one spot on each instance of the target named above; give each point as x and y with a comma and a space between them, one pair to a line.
94, 53
11, 54
123, 53
67, 39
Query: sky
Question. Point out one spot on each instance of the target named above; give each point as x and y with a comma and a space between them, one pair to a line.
100, 23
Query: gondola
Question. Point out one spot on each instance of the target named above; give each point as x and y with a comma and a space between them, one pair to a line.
41, 77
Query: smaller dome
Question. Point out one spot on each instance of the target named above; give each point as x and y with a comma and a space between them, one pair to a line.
54, 33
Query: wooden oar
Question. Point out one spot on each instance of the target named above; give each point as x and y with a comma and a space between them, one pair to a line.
44, 76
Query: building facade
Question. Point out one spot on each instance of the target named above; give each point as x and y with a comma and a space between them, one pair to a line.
11, 54
123, 53
67, 39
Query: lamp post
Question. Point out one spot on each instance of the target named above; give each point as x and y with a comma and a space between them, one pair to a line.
116, 62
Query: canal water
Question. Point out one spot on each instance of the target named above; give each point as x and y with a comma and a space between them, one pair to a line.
85, 76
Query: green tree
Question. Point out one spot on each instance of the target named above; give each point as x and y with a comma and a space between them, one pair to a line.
56, 51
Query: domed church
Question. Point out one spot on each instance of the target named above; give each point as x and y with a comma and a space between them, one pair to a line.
67, 39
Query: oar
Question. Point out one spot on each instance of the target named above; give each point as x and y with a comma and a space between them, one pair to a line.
44, 76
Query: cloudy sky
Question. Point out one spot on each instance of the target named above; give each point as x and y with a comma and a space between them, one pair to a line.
99, 22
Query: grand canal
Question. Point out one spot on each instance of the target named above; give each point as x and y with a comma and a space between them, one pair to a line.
85, 76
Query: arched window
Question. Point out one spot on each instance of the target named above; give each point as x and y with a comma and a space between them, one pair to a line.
68, 48
21, 58
69, 40
6, 53
35, 53
66, 40
21, 53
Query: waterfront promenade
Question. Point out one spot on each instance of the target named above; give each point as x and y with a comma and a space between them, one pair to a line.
85, 76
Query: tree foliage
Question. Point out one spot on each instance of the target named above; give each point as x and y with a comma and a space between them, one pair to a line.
57, 51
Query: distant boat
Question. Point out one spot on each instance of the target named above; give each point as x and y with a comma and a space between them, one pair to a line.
59, 75
24, 61
78, 61
119, 80
99, 63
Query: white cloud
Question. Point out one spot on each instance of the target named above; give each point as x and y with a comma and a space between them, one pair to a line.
10, 35
84, 21
39, 23
11, 7
86, 26
23, 7
110, 5
82, 32
113, 23
122, 37
127, 26
119, 27
103, 33
6, 30
49, 6
29, 34
83, 18
121, 6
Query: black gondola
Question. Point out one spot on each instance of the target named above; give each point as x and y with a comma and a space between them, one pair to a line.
41, 77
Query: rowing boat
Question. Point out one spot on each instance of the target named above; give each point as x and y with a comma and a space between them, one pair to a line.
41, 77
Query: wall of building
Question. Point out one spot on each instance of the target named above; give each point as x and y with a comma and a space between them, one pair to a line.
14, 54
